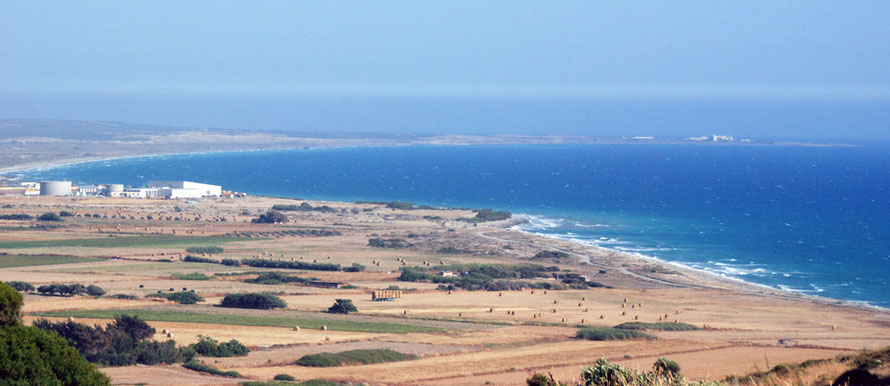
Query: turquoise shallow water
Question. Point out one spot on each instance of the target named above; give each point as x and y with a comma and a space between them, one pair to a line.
808, 219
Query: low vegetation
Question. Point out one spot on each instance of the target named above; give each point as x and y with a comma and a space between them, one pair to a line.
209, 347
453, 251
608, 333
211, 249
250, 320
271, 278
660, 326
551, 255
118, 242
200, 367
392, 243
191, 276
486, 215
262, 301
353, 357
304, 207
495, 277
9, 261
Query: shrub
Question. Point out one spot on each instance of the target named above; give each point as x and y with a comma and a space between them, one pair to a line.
355, 267
557, 255
263, 301
270, 217
607, 333
266, 263
209, 347
204, 250
94, 290
666, 367
283, 377
49, 216
275, 278
538, 379
605, 373
660, 326
183, 297
124, 296
342, 306
485, 215
453, 251
21, 286
393, 243
230, 262
198, 259
195, 366
66, 214
16, 216
365, 357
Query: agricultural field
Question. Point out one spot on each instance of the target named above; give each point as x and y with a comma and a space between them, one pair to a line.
458, 302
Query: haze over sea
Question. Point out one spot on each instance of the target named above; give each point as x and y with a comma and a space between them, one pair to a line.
809, 219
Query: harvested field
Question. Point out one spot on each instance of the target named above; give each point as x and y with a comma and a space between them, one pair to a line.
461, 337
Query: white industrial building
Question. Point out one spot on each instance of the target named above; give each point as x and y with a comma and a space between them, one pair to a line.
184, 189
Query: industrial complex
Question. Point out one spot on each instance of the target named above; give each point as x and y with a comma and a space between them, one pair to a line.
152, 189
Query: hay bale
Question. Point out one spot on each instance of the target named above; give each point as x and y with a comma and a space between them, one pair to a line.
584, 298
169, 334
71, 319
602, 316
296, 328
324, 328
636, 317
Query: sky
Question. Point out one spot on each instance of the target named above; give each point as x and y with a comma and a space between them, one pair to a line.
759, 68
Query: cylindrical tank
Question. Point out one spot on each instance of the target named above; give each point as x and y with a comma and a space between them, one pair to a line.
55, 188
115, 189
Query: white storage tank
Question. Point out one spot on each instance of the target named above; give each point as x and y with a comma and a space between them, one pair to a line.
114, 190
55, 188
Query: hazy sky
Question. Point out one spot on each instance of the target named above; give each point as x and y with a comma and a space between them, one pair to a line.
304, 62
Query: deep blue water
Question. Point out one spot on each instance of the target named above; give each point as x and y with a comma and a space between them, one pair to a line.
809, 219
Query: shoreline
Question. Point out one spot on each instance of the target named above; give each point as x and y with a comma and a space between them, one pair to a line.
702, 278
699, 277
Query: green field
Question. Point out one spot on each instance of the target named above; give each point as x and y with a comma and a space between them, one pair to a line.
8, 261
121, 242
247, 320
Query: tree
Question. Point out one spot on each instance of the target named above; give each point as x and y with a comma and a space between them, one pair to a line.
49, 216
342, 306
21, 286
31, 356
10, 306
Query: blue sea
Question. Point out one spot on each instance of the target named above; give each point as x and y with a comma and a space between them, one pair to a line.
814, 220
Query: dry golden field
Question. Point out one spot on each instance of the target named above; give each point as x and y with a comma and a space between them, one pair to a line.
458, 336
